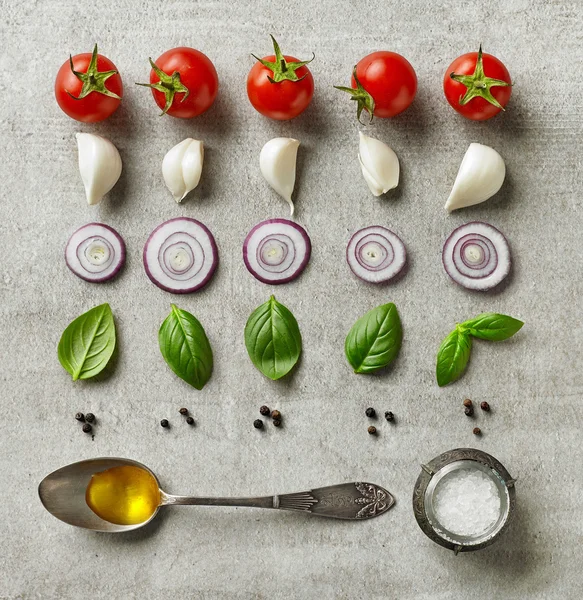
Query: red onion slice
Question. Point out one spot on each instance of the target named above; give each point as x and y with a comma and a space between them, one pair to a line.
476, 256
181, 256
375, 254
95, 252
276, 251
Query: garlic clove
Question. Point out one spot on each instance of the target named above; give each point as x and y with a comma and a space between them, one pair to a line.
99, 165
278, 165
480, 176
379, 164
182, 167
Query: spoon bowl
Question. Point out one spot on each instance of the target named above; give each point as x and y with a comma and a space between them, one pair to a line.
62, 493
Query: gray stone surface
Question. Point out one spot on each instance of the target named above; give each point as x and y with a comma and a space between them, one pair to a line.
533, 382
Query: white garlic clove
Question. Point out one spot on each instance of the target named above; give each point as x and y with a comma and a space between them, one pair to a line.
379, 163
99, 165
278, 165
480, 176
182, 167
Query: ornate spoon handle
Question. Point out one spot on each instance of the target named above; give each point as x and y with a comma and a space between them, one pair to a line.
345, 501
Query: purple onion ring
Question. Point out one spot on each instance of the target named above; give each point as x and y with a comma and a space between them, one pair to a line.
181, 256
375, 254
476, 256
276, 251
95, 252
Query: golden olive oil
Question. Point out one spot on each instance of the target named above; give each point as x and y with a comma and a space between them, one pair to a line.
124, 495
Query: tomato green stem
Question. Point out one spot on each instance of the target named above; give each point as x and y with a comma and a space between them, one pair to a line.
169, 85
93, 80
363, 99
281, 69
478, 85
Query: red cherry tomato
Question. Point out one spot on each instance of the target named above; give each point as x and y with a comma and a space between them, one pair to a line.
184, 82
88, 87
280, 86
477, 85
383, 83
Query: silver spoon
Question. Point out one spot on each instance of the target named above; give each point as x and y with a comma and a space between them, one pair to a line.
63, 495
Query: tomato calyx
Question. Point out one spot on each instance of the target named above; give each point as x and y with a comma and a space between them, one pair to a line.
169, 85
93, 80
364, 101
281, 69
478, 85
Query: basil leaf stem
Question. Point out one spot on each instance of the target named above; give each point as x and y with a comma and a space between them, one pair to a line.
454, 353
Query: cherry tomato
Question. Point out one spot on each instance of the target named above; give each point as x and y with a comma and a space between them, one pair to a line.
477, 85
88, 87
280, 86
383, 83
184, 82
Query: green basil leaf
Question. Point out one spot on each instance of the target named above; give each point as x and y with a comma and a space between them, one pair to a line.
492, 326
273, 339
374, 340
453, 356
88, 343
185, 347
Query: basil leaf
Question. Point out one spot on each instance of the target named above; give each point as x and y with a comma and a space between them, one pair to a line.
185, 347
273, 339
453, 356
88, 343
492, 326
374, 340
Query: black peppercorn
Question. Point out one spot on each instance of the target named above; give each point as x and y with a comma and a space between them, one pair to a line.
90, 417
164, 423
477, 431
372, 430
87, 428
468, 403
389, 416
275, 414
469, 411
485, 406
80, 417
183, 411
370, 412
265, 410
276, 423
258, 424
190, 420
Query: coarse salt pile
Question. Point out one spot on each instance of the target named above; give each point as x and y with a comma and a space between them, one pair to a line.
467, 502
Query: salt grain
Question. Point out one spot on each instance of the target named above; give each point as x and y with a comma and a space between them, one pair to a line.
467, 502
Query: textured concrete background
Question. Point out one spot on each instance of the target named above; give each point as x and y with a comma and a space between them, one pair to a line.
533, 382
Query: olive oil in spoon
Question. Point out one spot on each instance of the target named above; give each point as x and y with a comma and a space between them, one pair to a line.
125, 495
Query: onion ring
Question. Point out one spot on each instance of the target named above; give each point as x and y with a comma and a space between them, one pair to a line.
476, 256
181, 256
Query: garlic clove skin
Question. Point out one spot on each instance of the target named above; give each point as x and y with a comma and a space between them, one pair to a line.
278, 165
99, 165
480, 176
182, 167
379, 164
